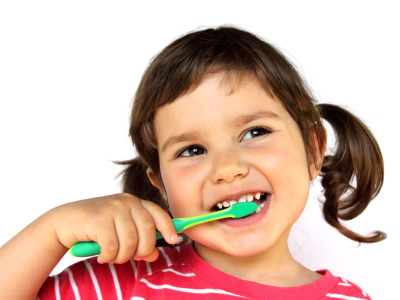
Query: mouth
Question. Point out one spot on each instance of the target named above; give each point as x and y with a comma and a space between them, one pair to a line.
260, 198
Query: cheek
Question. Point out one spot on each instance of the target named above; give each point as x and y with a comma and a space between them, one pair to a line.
292, 182
279, 158
284, 165
183, 187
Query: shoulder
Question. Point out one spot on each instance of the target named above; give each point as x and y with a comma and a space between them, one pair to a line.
341, 288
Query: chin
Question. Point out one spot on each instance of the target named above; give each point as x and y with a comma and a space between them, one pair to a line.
237, 249
243, 252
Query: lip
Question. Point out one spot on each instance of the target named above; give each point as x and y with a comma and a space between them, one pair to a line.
250, 220
237, 196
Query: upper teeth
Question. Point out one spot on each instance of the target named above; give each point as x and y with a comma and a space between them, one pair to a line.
244, 198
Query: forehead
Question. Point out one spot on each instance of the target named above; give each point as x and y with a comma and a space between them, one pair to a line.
215, 85
216, 101
231, 80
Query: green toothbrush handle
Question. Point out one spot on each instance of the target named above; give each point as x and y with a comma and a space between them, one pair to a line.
83, 249
179, 225
158, 235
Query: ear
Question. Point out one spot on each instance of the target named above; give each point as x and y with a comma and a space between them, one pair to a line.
316, 160
153, 179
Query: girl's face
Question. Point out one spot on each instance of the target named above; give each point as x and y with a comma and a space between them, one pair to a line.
220, 144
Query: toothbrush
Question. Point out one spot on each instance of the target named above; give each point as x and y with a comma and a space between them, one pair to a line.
237, 210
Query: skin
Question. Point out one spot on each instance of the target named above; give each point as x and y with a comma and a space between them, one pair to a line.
235, 160
215, 155
119, 223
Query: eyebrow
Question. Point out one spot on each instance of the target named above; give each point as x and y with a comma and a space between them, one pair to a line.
237, 122
244, 119
187, 136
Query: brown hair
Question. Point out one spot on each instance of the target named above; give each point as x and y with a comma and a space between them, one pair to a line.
181, 66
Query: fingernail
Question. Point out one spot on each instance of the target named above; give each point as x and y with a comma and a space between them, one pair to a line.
174, 238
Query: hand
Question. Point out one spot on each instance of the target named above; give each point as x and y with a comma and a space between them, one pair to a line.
123, 225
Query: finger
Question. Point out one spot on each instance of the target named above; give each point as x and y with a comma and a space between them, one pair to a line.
127, 237
153, 256
108, 241
146, 228
163, 222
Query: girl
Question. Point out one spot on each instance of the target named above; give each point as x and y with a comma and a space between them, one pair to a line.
219, 117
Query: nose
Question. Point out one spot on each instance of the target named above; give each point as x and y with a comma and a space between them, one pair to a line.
228, 167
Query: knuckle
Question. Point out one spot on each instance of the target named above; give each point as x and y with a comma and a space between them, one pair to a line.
126, 196
131, 242
122, 201
150, 205
148, 224
117, 203
110, 247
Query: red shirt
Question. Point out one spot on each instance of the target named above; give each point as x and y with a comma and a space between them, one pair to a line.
180, 273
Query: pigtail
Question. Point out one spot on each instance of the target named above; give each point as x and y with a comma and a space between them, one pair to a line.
357, 159
136, 182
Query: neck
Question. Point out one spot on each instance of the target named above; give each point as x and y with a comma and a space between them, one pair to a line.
275, 267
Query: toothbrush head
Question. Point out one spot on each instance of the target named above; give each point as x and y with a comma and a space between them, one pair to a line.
242, 209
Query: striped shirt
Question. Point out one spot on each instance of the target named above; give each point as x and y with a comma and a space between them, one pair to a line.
180, 273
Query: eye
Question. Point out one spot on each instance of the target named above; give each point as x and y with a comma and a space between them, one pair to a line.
192, 151
255, 132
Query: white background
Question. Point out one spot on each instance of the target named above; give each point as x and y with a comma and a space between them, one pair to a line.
68, 72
